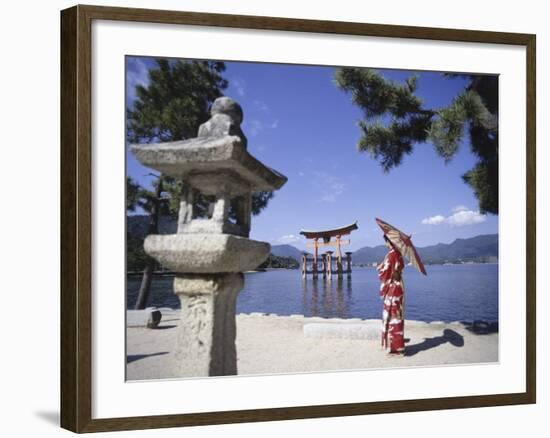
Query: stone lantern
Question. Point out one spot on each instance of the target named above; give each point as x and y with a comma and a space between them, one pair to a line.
211, 249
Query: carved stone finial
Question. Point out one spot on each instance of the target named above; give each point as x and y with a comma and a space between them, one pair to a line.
227, 116
226, 105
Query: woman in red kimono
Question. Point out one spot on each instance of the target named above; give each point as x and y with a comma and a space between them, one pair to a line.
391, 292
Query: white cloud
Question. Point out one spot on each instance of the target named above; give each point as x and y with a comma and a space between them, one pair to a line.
254, 127
288, 238
328, 198
466, 217
330, 185
460, 208
275, 124
461, 216
239, 85
434, 220
262, 106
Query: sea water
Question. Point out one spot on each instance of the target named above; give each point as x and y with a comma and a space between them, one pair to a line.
466, 292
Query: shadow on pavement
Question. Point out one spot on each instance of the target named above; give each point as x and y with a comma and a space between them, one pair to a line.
133, 357
448, 336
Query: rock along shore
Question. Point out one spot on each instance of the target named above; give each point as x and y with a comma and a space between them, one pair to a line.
271, 344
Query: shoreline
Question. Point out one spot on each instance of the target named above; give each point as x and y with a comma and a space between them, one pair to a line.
169, 273
273, 344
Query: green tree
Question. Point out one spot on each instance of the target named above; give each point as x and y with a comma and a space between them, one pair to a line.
396, 119
155, 205
176, 101
274, 261
136, 258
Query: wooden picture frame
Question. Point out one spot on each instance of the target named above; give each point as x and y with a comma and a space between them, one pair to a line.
76, 217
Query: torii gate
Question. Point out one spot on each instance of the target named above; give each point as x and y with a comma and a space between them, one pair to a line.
326, 236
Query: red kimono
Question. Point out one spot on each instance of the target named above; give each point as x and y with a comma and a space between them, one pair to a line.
391, 292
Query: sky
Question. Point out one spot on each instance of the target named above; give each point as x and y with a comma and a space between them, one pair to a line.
300, 124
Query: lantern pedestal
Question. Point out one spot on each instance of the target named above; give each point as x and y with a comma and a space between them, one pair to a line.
205, 343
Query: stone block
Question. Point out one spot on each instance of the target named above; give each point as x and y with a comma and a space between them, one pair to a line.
183, 159
366, 331
149, 318
206, 253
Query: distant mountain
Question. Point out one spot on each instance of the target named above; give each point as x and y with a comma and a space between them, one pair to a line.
480, 249
287, 251
368, 255
483, 248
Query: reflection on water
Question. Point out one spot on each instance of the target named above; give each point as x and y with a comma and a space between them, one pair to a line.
448, 293
327, 297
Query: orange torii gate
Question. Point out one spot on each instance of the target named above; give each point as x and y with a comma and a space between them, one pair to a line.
325, 236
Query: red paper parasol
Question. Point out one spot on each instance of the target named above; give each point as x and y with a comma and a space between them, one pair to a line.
403, 244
